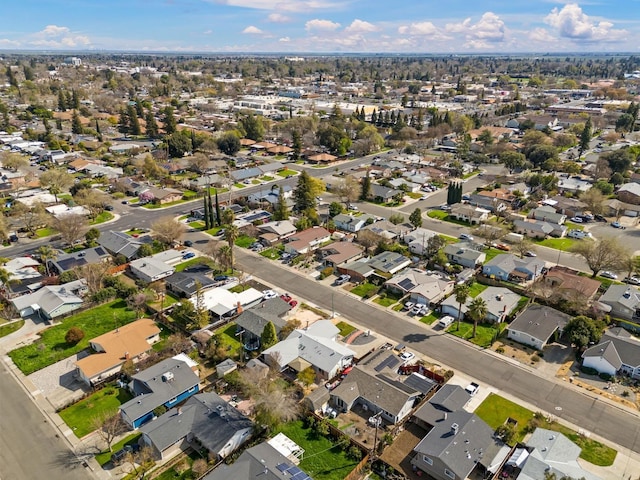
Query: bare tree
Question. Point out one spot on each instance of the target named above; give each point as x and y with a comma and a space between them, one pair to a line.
523, 246
199, 467
31, 217
168, 230
72, 227
601, 254
198, 162
93, 200
369, 239
56, 181
138, 302
491, 231
594, 200
108, 426
93, 273
348, 189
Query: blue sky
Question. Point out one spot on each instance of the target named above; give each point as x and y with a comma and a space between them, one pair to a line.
416, 26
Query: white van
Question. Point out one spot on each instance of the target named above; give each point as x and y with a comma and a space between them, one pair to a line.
578, 234
445, 321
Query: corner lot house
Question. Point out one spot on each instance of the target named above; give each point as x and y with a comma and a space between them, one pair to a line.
51, 301
629, 193
567, 284
624, 301
536, 325
164, 384
617, 352
274, 232
205, 419
314, 347
509, 267
349, 223
69, 261
470, 214
111, 350
533, 229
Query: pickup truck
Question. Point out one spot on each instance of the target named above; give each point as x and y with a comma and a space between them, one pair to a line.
472, 388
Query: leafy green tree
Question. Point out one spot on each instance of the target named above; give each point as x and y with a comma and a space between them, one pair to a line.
306, 192
229, 143
581, 331
416, 218
281, 210
253, 127
619, 160
513, 160
335, 208
73, 335
269, 336
307, 376
396, 218
477, 311
585, 137
461, 292
92, 235
179, 144
365, 191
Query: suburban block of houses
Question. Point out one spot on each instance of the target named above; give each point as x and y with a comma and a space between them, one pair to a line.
617, 352
536, 325
509, 267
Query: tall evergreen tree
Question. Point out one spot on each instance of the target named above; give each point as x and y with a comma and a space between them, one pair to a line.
151, 124
365, 192
62, 103
374, 117
75, 99
218, 216
297, 144
98, 132
585, 137
76, 125
207, 217
303, 194
134, 123
281, 212
212, 212
169, 121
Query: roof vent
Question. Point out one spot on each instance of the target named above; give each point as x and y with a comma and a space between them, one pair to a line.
167, 376
454, 428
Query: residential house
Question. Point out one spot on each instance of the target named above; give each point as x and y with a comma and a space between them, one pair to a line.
487, 202
388, 230
264, 462
448, 399
120, 243
547, 213
617, 353
500, 301
358, 270
247, 174
462, 254
24, 277
536, 325
629, 193
575, 184
405, 185
205, 420
389, 262
422, 287
568, 284
509, 267
271, 195
468, 213
307, 240
459, 444
565, 205
70, 261
548, 453
251, 322
374, 386
186, 284
223, 303
160, 195
351, 223
534, 229
417, 240
205, 181
271, 168
314, 347
340, 252
624, 301
382, 194
150, 269
52, 301
110, 350
274, 232
164, 384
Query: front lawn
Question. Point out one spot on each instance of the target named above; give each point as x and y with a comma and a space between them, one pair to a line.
245, 241
44, 232
437, 214
345, 328
414, 195
10, 328
385, 301
104, 457
495, 410
573, 226
324, 460
476, 289
563, 244
287, 173
272, 253
430, 319
491, 253
101, 218
81, 416
172, 474
52, 347
486, 333
239, 185
195, 261
364, 289
198, 225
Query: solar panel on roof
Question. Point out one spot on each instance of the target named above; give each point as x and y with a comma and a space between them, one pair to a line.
393, 361
283, 467
406, 284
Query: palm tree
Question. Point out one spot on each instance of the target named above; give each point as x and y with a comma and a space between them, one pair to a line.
461, 292
231, 234
224, 257
46, 253
477, 311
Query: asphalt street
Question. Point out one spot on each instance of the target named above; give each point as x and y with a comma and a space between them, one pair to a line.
29, 447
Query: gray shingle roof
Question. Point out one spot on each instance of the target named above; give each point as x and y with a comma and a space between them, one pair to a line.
450, 398
618, 347
186, 283
152, 388
539, 321
625, 295
255, 319
119, 243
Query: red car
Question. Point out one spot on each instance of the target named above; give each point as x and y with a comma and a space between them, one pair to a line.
286, 297
502, 246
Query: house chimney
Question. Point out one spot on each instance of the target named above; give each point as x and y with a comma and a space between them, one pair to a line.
454, 429
444, 416
179, 410
238, 307
127, 356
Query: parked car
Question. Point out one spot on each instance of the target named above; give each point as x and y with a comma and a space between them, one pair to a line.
118, 457
472, 388
409, 305
406, 356
608, 274
600, 218
465, 236
188, 243
220, 278
108, 208
445, 321
416, 309
617, 225
188, 255
502, 246
632, 280
268, 294
342, 279
576, 219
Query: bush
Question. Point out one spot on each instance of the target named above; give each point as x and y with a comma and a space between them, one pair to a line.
588, 370
625, 394
73, 335
354, 453
104, 295
535, 358
326, 272
604, 376
160, 410
500, 350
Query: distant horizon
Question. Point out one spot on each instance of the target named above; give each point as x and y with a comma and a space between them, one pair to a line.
323, 26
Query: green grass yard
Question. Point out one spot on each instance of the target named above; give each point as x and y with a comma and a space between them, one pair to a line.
101, 218
563, 244
430, 319
272, 253
476, 289
52, 347
286, 173
495, 410
244, 241
345, 328
437, 214
364, 289
80, 417
44, 232
104, 457
491, 253
230, 342
324, 460
485, 333
9, 328
195, 261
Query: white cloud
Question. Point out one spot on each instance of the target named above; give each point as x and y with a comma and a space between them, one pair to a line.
571, 22
278, 18
208, 32
490, 28
284, 39
251, 30
54, 36
321, 25
421, 28
360, 26
284, 5
5, 42
458, 27
541, 35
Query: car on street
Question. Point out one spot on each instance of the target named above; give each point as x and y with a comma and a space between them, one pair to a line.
529, 253
188, 255
108, 208
504, 247
269, 294
342, 279
608, 274
188, 243
466, 236
632, 280
617, 225
407, 356
576, 219
351, 206
125, 202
